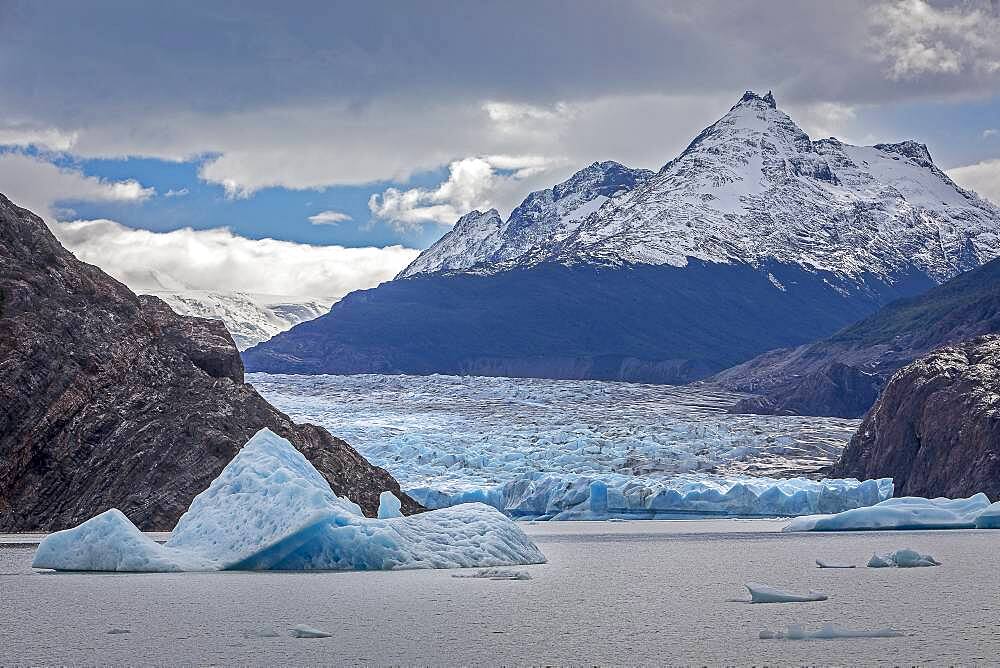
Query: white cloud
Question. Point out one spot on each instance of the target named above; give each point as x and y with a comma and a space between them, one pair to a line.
329, 218
177, 193
472, 183
36, 184
219, 260
918, 39
983, 177
28, 134
990, 132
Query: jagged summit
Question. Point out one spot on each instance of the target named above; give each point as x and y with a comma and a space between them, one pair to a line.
750, 188
751, 96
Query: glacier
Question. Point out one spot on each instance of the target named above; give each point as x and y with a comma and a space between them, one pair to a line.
908, 512
270, 509
575, 450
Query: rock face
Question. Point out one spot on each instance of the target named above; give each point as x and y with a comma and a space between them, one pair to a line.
754, 234
110, 399
936, 427
842, 375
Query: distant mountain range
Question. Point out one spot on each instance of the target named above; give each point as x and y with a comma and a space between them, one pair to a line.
842, 375
754, 238
250, 318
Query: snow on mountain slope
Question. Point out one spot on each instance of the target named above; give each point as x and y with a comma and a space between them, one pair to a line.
749, 189
250, 318
544, 219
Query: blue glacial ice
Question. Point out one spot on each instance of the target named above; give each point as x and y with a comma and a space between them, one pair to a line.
908, 512
563, 449
389, 505
761, 593
270, 509
989, 518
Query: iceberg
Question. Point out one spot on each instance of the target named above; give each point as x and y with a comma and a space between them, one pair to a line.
270, 509
760, 593
110, 542
822, 563
902, 559
989, 518
828, 632
908, 512
303, 631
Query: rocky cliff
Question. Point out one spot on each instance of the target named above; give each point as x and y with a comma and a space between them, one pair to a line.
110, 399
936, 427
842, 375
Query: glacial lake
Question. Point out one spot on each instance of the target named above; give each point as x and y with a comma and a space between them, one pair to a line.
651, 592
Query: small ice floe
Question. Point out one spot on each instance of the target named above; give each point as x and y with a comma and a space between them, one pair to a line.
266, 632
828, 632
760, 593
908, 512
495, 574
823, 563
902, 559
115, 632
303, 631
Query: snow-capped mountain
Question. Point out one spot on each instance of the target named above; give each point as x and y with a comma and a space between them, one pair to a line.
751, 187
755, 237
544, 219
250, 318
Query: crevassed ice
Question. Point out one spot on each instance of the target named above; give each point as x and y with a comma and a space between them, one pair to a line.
270, 509
564, 449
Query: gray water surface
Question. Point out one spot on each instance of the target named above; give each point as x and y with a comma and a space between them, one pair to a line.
612, 593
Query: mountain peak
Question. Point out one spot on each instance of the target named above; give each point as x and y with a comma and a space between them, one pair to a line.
750, 97
908, 149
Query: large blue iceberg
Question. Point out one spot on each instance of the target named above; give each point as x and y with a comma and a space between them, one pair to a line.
270, 509
908, 512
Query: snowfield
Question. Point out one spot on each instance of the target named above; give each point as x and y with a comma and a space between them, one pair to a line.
559, 449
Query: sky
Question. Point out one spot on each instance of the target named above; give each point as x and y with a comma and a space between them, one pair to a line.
313, 148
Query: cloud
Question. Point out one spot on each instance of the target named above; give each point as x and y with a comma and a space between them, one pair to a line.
27, 134
329, 218
348, 94
473, 183
219, 260
177, 193
37, 184
919, 39
983, 177
990, 132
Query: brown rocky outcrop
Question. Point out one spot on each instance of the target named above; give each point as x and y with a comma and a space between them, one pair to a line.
111, 399
936, 427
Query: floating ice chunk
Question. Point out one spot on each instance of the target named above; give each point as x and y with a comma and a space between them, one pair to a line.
829, 564
388, 506
110, 542
760, 593
902, 559
303, 631
828, 632
989, 518
266, 503
270, 509
908, 512
495, 574
470, 535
